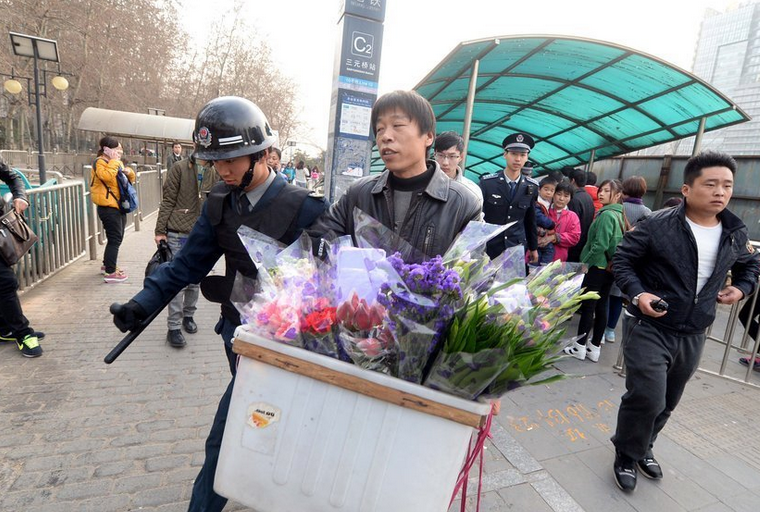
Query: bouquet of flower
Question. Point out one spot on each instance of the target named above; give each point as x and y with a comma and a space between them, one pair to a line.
503, 339
460, 323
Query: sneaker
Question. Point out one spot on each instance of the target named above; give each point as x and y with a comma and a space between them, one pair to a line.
117, 277
609, 335
649, 467
189, 325
624, 470
175, 338
755, 365
30, 346
103, 269
576, 350
10, 337
593, 353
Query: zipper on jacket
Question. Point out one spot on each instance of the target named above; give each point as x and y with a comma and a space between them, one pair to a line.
428, 239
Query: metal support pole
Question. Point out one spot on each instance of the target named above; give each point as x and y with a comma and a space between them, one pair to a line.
591, 161
698, 137
40, 144
468, 111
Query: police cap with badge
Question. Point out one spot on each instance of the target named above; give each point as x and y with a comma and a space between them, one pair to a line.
518, 142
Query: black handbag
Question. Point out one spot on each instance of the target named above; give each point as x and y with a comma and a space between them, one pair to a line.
16, 237
162, 255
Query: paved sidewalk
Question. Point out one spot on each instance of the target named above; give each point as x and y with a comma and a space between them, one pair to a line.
79, 435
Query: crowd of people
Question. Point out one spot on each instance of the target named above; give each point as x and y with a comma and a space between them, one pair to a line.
628, 250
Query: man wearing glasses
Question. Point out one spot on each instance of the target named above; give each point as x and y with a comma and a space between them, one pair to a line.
448, 153
509, 196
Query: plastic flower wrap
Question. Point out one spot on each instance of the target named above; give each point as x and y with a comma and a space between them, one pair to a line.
364, 335
504, 339
419, 315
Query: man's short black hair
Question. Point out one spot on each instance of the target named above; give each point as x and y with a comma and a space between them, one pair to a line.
705, 159
579, 177
410, 103
590, 178
448, 140
564, 186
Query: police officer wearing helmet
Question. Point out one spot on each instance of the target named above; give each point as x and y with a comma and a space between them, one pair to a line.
510, 196
233, 133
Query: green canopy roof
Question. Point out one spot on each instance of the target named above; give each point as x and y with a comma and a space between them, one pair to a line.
572, 95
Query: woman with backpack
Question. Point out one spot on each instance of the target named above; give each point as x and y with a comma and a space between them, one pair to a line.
104, 188
604, 235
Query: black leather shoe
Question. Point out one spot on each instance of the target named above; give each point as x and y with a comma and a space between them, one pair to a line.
175, 338
650, 468
624, 470
189, 325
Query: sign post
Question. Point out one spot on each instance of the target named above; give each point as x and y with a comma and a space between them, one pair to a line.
355, 78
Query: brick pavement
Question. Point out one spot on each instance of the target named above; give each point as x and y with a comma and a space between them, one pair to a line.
79, 435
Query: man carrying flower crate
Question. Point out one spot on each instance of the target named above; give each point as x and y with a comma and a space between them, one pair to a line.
233, 133
413, 196
674, 265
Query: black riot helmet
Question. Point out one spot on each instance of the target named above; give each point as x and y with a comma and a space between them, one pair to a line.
229, 127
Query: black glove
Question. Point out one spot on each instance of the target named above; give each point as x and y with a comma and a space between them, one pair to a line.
129, 316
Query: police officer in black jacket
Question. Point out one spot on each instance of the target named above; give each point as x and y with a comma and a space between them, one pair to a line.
509, 196
233, 133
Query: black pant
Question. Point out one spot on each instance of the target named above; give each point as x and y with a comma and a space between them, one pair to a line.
658, 365
747, 316
11, 316
114, 223
594, 312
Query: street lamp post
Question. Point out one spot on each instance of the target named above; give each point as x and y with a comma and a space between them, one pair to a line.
38, 49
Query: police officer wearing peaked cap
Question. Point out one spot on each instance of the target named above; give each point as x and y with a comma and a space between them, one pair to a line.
509, 196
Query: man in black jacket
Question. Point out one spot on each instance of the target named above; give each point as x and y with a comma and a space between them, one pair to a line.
674, 265
583, 205
14, 326
413, 196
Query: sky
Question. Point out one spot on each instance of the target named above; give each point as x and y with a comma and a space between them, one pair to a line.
419, 34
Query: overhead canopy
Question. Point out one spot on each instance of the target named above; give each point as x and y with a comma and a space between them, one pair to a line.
137, 126
572, 95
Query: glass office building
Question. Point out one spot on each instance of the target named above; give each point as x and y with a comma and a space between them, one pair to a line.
728, 57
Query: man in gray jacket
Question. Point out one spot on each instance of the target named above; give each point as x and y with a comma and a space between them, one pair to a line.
413, 196
185, 189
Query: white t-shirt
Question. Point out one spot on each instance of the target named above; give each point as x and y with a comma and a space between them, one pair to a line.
708, 240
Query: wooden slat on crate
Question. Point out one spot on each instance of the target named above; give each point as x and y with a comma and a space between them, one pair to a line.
356, 384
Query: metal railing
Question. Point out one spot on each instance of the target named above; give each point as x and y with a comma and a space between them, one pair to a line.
67, 224
57, 215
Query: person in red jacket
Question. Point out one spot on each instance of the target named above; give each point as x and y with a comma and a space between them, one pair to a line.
593, 190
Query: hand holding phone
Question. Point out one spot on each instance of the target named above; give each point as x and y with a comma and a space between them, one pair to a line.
659, 305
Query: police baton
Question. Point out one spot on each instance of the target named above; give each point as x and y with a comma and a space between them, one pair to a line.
131, 335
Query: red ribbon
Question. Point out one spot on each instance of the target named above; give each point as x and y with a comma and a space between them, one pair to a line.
474, 452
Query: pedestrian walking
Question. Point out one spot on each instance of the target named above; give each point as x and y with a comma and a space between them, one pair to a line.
674, 266
14, 326
104, 190
186, 186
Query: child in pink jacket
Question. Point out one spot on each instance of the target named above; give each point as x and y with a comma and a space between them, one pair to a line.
567, 225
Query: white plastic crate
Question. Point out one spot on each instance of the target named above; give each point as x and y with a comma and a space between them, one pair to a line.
294, 443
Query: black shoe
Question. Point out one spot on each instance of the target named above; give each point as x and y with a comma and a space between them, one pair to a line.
10, 337
175, 338
29, 346
189, 325
650, 468
624, 470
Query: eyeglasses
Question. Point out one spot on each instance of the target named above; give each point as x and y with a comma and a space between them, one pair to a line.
446, 156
